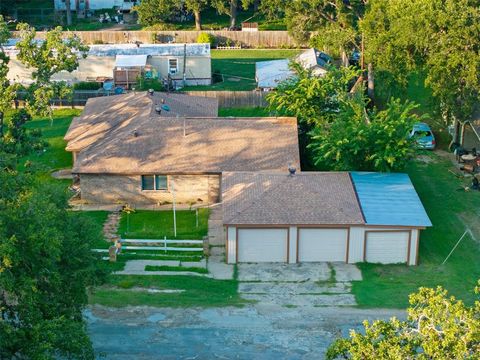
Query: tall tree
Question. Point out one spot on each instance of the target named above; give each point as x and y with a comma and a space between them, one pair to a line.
438, 327
7, 90
56, 53
45, 267
196, 7
441, 40
228, 7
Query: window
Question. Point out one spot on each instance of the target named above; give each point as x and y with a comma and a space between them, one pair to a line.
154, 182
172, 66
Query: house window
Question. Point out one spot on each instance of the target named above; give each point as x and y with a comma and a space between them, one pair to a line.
154, 182
172, 66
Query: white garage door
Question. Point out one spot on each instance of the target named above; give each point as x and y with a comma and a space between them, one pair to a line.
387, 247
322, 244
262, 245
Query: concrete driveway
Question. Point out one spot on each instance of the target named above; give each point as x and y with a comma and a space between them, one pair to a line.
306, 284
252, 332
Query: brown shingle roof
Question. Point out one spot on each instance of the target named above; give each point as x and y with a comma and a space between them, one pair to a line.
103, 114
155, 144
307, 198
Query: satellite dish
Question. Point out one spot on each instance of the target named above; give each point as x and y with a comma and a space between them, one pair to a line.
165, 107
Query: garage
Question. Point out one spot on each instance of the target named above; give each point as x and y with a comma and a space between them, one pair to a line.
262, 245
316, 244
387, 247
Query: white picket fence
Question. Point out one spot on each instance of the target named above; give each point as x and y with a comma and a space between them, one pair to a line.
162, 244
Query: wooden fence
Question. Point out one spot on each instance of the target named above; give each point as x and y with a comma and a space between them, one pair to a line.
229, 99
248, 39
226, 99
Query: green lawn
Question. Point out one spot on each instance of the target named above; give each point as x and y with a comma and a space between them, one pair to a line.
54, 157
199, 291
154, 268
146, 224
235, 69
450, 210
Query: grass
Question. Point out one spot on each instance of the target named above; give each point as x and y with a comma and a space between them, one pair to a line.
450, 211
199, 292
244, 112
235, 69
176, 268
54, 157
146, 224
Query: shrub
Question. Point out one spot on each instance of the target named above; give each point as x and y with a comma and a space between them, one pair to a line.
206, 38
87, 85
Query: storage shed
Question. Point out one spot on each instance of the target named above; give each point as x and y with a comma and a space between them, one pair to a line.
321, 216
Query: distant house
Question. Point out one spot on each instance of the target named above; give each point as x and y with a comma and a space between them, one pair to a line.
83, 5
182, 64
321, 216
269, 74
130, 149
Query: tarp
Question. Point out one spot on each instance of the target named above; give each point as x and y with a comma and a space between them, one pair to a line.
270, 73
130, 60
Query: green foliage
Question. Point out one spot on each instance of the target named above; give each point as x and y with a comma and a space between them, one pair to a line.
441, 39
437, 327
151, 12
57, 53
146, 84
337, 129
335, 22
361, 140
87, 85
206, 38
45, 266
16, 139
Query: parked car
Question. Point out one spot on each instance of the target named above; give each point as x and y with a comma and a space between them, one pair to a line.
423, 136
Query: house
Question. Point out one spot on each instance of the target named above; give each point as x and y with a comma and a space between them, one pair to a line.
84, 5
269, 74
147, 149
183, 64
321, 216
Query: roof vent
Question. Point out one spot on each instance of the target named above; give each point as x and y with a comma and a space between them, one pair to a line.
151, 92
292, 170
158, 109
135, 133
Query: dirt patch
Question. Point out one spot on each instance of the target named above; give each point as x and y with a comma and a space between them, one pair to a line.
426, 159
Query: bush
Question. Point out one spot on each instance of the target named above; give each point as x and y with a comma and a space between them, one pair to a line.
146, 84
87, 85
206, 38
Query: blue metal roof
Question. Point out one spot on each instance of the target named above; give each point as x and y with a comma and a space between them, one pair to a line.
389, 199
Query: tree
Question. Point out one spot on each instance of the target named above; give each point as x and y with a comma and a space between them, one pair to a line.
45, 267
7, 90
333, 24
228, 7
17, 139
437, 327
441, 40
152, 12
56, 53
196, 6
336, 131
364, 140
